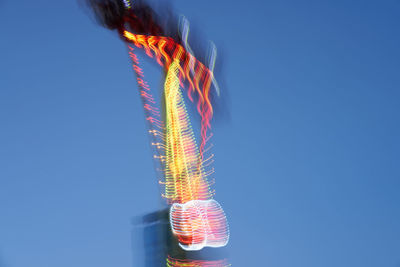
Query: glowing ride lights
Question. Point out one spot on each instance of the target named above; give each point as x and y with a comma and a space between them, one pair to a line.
199, 81
199, 223
196, 219
184, 174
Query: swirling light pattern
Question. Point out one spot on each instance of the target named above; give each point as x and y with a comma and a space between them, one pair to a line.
196, 219
199, 223
184, 175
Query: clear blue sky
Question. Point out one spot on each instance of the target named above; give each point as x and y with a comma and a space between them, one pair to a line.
307, 162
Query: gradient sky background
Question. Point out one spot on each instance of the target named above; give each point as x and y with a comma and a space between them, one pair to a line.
307, 161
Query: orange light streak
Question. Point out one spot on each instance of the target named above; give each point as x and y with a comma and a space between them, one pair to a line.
196, 219
184, 171
167, 50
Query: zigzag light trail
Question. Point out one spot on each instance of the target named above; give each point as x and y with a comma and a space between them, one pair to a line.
196, 219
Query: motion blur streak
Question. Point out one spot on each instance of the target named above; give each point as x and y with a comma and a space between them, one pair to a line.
171, 262
166, 50
152, 114
184, 174
196, 220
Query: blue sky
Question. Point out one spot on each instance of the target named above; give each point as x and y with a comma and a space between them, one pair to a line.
307, 160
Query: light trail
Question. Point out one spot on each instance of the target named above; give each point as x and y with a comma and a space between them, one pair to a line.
166, 50
196, 219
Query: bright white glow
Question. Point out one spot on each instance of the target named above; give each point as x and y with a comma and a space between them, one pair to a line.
127, 4
212, 55
199, 223
184, 33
